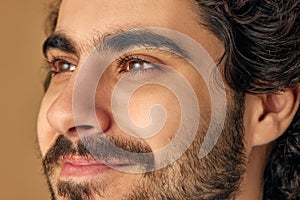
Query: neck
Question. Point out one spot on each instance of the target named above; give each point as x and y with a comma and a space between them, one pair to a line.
253, 181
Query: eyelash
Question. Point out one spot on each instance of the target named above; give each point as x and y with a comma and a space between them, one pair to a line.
122, 63
62, 60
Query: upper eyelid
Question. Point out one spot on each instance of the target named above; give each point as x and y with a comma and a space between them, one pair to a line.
60, 58
55, 59
150, 50
54, 53
51, 63
164, 51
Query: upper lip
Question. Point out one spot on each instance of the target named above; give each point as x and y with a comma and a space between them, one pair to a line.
80, 161
89, 161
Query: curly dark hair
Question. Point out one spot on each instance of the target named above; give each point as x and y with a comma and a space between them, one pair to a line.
262, 51
262, 55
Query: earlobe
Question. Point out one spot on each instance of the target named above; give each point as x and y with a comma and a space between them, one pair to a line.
267, 116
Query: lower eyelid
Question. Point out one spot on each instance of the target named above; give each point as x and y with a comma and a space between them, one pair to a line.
145, 71
61, 77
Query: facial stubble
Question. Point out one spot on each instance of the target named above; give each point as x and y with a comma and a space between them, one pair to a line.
216, 176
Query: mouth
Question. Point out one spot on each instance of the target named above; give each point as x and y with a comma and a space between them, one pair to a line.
79, 167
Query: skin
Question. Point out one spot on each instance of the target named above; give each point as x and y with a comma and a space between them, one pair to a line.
80, 20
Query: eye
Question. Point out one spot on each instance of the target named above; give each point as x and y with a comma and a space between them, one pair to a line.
134, 65
138, 64
61, 66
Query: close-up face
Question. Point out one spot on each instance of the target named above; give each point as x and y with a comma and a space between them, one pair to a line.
82, 114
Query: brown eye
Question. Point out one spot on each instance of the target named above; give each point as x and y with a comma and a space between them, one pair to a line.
60, 66
137, 64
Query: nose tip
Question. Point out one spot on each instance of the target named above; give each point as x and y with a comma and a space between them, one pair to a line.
61, 117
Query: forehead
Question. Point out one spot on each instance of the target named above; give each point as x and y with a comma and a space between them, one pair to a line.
83, 17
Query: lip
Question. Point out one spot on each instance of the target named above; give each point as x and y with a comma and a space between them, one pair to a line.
81, 167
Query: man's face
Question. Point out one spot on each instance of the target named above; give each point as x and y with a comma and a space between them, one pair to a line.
72, 171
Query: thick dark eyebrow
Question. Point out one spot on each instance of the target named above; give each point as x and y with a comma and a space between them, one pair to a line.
140, 38
59, 41
117, 42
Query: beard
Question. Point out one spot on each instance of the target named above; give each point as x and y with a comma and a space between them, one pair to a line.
216, 176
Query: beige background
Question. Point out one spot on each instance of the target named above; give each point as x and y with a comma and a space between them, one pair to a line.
21, 37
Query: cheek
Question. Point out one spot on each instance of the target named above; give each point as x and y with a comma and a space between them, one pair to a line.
142, 103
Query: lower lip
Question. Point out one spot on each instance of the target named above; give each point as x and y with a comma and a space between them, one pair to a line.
72, 170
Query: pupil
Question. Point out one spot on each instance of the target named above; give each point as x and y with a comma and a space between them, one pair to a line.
136, 65
65, 66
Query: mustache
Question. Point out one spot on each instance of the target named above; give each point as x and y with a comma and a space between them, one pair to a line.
105, 149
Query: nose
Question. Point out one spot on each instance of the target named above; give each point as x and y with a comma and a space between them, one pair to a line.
86, 119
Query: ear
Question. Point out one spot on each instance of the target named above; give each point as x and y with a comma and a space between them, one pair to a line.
267, 116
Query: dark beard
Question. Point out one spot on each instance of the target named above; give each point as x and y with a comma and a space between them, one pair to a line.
103, 150
216, 176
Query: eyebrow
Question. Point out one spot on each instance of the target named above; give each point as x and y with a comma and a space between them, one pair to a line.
117, 42
59, 41
141, 39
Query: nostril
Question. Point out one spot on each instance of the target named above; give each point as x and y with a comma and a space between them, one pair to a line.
84, 127
81, 130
